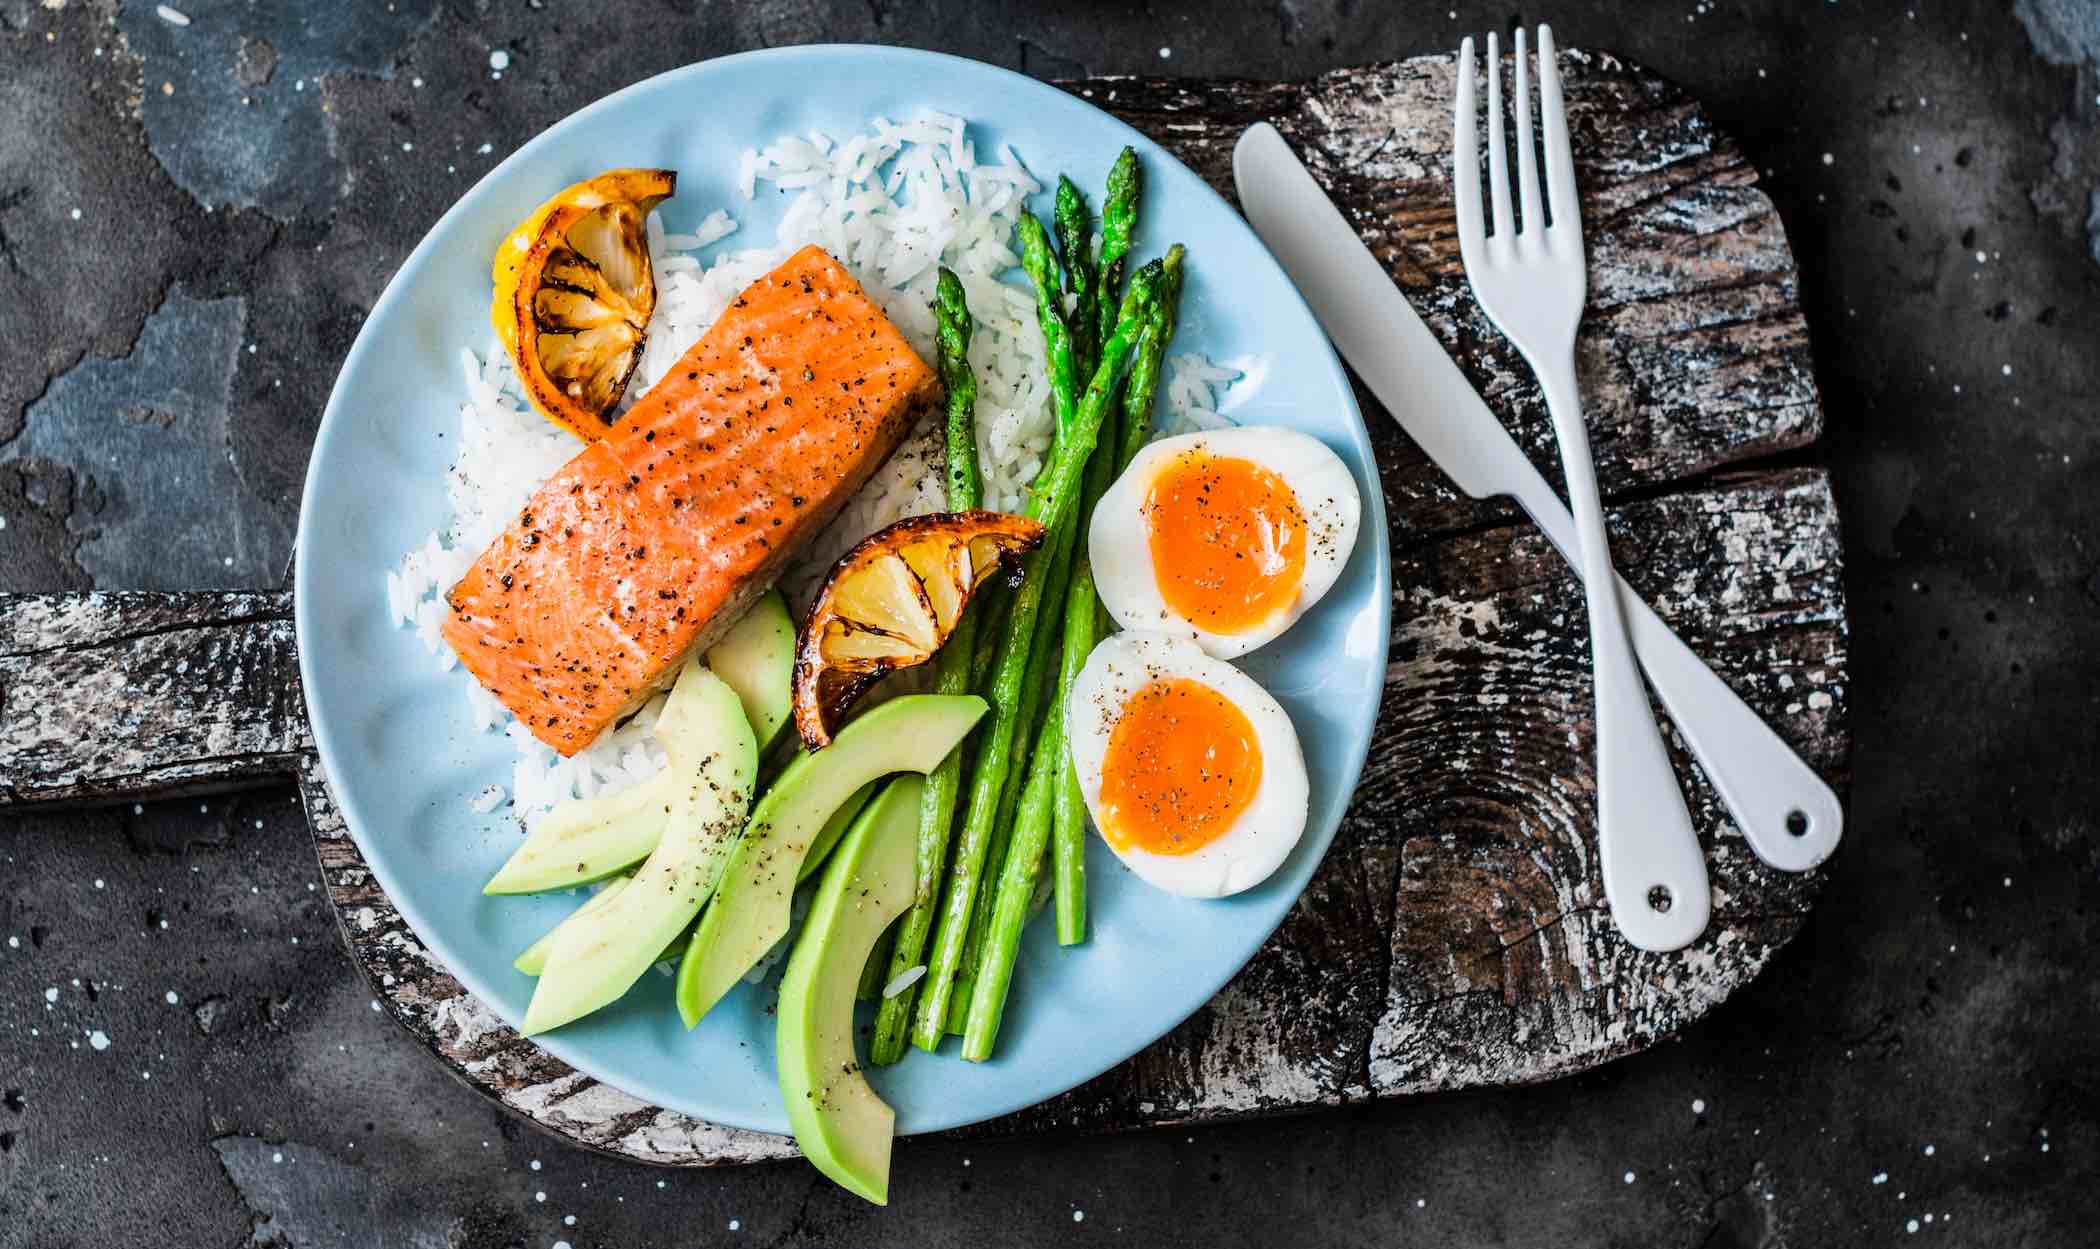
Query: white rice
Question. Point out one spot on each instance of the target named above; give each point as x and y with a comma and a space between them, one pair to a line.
892, 204
1197, 392
903, 980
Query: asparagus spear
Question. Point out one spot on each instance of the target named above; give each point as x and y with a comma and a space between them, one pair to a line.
1082, 621
1075, 241
1042, 671
1145, 361
1013, 900
1039, 262
1055, 498
952, 675
952, 329
1118, 222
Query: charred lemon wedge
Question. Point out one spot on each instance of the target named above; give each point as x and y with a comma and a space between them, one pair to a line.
891, 602
574, 292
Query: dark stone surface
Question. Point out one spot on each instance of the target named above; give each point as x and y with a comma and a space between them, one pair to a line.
1938, 175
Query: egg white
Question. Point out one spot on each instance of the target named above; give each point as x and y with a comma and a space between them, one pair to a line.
1257, 842
1120, 535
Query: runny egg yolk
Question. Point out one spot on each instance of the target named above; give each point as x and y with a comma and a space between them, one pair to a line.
1183, 763
1228, 541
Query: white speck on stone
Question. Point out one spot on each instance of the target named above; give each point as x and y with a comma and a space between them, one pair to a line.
1421, 1202
1629, 1177
561, 1244
659, 1183
173, 17
99, 1041
1911, 1227
539, 1196
15, 943
534, 1164
1698, 1105
499, 59
1828, 159
1930, 1150
174, 998
277, 1157
485, 149
51, 994
408, 147
375, 1003
1079, 1216
736, 1225
568, 1220
415, 82
2005, 369
1166, 54
76, 214
1881, 1177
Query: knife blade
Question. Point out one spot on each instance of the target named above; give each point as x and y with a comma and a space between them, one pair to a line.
1791, 819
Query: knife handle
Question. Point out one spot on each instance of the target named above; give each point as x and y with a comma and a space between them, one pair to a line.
1791, 819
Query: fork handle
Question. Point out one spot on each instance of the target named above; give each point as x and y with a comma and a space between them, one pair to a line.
1654, 873
1789, 816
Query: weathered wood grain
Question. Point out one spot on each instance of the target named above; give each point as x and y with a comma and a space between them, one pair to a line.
1455, 934
145, 695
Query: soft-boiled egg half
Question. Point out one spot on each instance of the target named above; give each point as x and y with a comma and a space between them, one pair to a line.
1191, 771
1226, 536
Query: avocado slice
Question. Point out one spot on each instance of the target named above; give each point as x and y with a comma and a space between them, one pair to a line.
757, 658
834, 828
532, 960
839, 1122
590, 839
598, 955
750, 913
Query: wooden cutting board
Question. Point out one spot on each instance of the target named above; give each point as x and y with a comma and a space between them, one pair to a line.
1456, 934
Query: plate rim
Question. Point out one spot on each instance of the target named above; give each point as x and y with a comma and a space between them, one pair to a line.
1372, 524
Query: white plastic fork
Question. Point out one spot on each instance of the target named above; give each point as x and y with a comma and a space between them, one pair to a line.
1531, 283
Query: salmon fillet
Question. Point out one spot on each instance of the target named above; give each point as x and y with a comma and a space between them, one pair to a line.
648, 545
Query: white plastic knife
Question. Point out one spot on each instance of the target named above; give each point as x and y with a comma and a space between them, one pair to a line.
1791, 819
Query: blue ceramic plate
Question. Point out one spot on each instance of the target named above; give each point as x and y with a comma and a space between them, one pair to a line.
394, 732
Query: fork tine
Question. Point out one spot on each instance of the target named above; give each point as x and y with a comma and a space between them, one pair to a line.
1560, 159
1528, 202
1498, 162
1465, 159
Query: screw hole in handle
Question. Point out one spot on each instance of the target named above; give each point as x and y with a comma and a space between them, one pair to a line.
1797, 823
1659, 899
